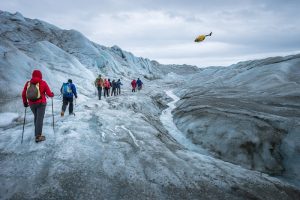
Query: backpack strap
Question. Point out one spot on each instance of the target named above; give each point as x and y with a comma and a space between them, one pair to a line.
39, 92
28, 84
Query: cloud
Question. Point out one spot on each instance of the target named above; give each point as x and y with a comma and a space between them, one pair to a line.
165, 30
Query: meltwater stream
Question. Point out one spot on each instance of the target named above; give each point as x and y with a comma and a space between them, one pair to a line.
167, 120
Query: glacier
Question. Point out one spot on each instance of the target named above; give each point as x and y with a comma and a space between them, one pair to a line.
242, 122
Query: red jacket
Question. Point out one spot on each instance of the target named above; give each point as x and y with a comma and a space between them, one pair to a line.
133, 84
106, 84
44, 88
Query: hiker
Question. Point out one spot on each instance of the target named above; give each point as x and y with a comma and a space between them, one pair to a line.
106, 88
99, 82
34, 96
133, 84
119, 87
110, 85
68, 90
113, 88
139, 84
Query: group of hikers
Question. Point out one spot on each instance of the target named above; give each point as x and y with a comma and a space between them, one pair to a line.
105, 85
35, 91
115, 86
137, 83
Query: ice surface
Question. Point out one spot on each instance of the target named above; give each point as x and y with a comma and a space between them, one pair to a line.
247, 113
7, 118
118, 148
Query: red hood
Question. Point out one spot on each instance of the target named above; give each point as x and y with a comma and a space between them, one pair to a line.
36, 76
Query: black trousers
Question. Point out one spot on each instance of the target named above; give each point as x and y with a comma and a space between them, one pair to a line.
113, 91
66, 101
118, 90
38, 111
106, 92
99, 92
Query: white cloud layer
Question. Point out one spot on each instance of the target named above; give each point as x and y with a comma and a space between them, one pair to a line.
165, 30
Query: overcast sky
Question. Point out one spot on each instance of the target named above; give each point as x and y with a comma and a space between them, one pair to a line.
164, 30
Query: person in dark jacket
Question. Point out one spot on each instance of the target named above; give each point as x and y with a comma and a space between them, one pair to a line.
119, 87
139, 84
37, 105
113, 88
110, 85
68, 90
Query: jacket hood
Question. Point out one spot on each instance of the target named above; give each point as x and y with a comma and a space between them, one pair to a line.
36, 76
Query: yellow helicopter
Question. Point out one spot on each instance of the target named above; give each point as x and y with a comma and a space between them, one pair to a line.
200, 38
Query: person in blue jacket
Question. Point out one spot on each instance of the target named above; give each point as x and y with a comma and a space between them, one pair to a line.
139, 84
68, 90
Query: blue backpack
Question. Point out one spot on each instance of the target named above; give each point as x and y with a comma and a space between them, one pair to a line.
66, 89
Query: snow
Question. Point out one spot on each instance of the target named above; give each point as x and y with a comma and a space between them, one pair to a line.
7, 118
127, 146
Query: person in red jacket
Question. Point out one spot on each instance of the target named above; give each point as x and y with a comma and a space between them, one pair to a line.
133, 84
106, 88
34, 95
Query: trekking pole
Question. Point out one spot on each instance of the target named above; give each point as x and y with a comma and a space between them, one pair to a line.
23, 125
52, 115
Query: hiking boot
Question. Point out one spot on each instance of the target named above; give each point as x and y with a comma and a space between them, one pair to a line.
62, 113
40, 138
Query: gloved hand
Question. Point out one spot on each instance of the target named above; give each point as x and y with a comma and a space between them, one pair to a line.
25, 104
76, 96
